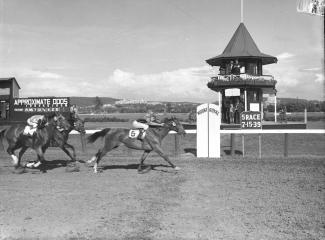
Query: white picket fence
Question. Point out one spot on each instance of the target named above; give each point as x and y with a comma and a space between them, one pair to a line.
242, 133
246, 131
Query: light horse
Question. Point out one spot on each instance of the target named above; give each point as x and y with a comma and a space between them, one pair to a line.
45, 132
151, 142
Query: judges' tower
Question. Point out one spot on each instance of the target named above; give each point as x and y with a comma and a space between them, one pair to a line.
245, 84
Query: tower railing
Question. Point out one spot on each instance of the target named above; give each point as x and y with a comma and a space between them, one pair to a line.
243, 76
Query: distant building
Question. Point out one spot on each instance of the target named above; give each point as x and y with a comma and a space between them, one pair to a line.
154, 103
130, 101
108, 105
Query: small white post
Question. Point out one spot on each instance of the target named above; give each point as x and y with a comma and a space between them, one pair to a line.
208, 130
245, 92
306, 115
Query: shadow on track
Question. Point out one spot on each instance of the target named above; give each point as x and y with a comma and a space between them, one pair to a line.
191, 150
134, 166
237, 152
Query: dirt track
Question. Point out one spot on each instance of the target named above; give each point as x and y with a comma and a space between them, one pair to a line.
228, 199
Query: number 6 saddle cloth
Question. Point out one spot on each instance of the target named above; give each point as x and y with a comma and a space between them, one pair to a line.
137, 134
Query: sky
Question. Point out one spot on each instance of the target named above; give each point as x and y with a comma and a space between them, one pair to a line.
153, 50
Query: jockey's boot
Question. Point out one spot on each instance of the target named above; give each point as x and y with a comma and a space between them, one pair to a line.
141, 134
34, 138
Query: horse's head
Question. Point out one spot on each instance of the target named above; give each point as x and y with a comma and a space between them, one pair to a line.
42, 123
61, 122
79, 125
174, 125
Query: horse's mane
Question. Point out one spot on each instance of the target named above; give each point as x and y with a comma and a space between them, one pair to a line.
51, 115
42, 123
168, 119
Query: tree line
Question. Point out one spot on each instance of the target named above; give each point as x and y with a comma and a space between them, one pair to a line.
292, 105
299, 106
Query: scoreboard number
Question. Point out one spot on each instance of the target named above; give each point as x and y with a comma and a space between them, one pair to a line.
251, 120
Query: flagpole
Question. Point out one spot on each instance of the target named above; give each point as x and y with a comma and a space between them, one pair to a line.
241, 11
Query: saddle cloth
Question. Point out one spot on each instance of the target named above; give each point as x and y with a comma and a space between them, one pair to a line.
134, 133
29, 130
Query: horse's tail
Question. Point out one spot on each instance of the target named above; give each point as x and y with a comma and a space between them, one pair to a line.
93, 137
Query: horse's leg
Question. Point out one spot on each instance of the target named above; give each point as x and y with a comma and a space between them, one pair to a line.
143, 157
97, 158
64, 149
108, 146
41, 160
101, 153
11, 151
71, 164
159, 150
21, 153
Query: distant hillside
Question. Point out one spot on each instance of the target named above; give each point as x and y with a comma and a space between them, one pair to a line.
89, 101
293, 100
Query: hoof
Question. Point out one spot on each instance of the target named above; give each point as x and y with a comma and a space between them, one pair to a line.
37, 164
30, 165
177, 168
19, 170
42, 168
91, 160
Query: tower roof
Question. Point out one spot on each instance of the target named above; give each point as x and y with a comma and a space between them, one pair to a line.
241, 45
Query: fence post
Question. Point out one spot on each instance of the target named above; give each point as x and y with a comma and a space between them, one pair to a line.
286, 142
232, 147
243, 144
176, 145
260, 145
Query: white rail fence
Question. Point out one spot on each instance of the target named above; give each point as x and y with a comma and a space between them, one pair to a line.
243, 132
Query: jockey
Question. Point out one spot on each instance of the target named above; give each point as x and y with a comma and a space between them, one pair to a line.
33, 123
74, 112
149, 120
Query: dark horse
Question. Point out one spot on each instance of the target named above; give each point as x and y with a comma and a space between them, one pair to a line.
45, 132
151, 142
78, 125
60, 137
